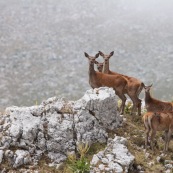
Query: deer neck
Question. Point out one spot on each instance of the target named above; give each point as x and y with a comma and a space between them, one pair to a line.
106, 67
147, 97
91, 71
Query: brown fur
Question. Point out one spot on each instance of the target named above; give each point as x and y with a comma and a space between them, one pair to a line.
160, 121
134, 86
97, 79
155, 105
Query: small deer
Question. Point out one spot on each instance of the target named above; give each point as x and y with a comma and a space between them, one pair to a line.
97, 79
154, 105
134, 86
158, 121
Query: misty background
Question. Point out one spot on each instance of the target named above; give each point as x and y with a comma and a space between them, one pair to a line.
42, 44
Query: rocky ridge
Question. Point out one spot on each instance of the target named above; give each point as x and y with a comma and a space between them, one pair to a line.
56, 126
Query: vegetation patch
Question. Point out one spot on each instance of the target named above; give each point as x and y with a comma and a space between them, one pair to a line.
133, 129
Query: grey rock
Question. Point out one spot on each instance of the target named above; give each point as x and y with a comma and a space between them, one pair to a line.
1, 155
115, 157
21, 157
56, 126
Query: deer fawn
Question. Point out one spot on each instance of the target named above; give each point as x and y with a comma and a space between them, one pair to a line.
134, 86
158, 121
97, 79
155, 105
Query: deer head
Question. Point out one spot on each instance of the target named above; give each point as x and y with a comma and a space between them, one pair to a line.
91, 58
99, 66
106, 57
147, 88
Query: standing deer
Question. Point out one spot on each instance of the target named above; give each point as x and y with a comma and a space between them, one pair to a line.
97, 79
155, 105
158, 121
134, 86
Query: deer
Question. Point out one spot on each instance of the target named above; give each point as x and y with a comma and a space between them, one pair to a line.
134, 86
154, 105
97, 79
158, 121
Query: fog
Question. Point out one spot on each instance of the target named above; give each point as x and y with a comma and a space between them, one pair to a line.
42, 44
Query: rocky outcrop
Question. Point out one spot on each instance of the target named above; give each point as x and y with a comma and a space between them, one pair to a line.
55, 126
115, 157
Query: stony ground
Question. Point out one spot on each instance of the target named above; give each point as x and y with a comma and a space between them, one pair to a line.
146, 161
133, 130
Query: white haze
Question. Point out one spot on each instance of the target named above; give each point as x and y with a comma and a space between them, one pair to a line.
42, 44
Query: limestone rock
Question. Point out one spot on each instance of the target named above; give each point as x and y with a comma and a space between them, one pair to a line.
115, 157
1, 155
55, 126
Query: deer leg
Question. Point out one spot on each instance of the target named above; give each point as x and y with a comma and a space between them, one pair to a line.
133, 101
147, 137
139, 106
136, 104
123, 99
167, 140
153, 134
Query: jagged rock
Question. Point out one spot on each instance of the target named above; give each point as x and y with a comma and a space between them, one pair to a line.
55, 126
115, 157
21, 157
1, 155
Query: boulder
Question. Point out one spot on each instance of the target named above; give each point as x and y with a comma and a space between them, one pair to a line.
56, 126
115, 157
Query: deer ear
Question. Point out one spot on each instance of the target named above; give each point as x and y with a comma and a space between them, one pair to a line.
150, 85
111, 54
101, 53
97, 55
86, 54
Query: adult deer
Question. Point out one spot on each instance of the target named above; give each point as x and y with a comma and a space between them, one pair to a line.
155, 105
97, 79
158, 121
134, 86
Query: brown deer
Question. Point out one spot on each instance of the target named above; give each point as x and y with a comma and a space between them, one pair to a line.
154, 105
97, 79
134, 86
158, 121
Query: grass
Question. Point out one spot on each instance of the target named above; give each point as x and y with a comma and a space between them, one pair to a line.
79, 164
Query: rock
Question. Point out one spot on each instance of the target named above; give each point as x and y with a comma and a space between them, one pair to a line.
105, 160
21, 157
1, 155
115, 157
169, 161
56, 126
151, 163
147, 155
158, 158
95, 160
168, 166
168, 171
101, 167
